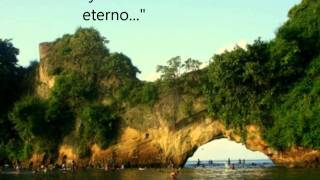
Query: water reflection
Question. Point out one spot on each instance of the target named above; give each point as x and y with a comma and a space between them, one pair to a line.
164, 174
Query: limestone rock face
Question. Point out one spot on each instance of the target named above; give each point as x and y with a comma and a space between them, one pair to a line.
166, 147
45, 81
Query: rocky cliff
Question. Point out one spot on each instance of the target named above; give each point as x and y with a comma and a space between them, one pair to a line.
164, 147
45, 81
149, 138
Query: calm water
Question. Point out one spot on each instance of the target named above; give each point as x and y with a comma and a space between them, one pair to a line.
154, 174
262, 169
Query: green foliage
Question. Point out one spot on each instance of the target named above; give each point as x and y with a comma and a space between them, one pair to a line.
118, 76
181, 77
84, 55
188, 108
10, 75
29, 81
303, 29
177, 78
60, 118
240, 84
28, 115
82, 67
274, 84
98, 124
172, 71
82, 52
297, 117
12, 149
15, 149
74, 89
192, 65
145, 93
38, 123
120, 66
12, 86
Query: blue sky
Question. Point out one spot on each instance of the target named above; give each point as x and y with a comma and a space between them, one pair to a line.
189, 28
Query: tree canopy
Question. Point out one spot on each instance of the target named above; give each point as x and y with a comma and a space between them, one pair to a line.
273, 84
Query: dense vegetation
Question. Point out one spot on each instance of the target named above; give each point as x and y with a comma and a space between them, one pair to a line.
85, 75
15, 81
273, 84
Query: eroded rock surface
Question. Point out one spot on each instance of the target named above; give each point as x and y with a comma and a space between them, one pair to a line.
149, 138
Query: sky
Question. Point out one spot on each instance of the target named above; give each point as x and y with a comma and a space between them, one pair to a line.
222, 149
168, 28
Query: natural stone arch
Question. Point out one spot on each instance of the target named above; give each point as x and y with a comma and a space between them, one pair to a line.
170, 143
214, 129
166, 147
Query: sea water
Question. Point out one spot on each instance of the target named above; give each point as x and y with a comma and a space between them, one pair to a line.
259, 170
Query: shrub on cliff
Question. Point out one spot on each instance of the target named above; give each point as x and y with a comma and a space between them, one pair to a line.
28, 116
74, 89
41, 123
147, 94
240, 83
297, 117
74, 100
82, 52
98, 125
85, 54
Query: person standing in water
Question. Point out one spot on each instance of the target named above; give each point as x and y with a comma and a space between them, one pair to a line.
229, 162
198, 163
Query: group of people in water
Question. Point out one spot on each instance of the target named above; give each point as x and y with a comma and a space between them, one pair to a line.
232, 165
72, 166
228, 164
64, 168
16, 168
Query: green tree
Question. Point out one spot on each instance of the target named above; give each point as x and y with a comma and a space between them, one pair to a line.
240, 84
144, 93
29, 118
10, 91
119, 65
174, 75
82, 52
172, 71
170, 75
73, 89
98, 125
9, 75
192, 65
120, 74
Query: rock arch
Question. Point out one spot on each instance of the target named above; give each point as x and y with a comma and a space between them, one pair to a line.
167, 143
166, 147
